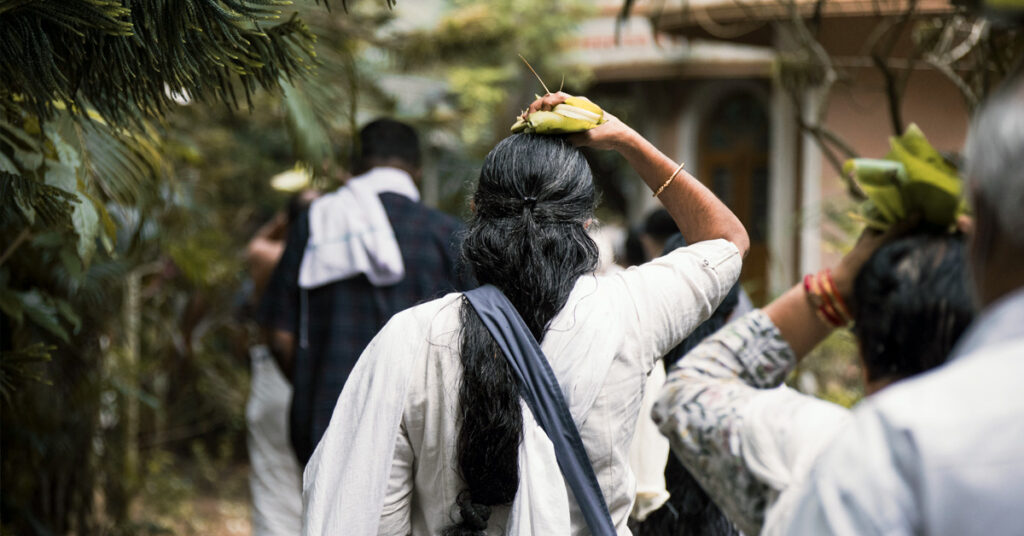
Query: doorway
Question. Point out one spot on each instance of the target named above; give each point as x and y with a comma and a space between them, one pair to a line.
734, 147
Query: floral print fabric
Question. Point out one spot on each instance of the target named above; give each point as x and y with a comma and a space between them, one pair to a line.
701, 411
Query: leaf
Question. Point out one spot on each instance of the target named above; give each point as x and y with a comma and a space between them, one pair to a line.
61, 176
24, 204
109, 235
66, 154
17, 137
85, 220
312, 143
124, 165
41, 310
933, 190
881, 181
10, 304
6, 164
29, 160
912, 179
17, 367
72, 264
32, 197
69, 314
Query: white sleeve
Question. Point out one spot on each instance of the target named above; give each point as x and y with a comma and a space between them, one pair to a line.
665, 299
359, 447
396, 516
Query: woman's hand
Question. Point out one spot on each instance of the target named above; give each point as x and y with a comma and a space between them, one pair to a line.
851, 263
870, 240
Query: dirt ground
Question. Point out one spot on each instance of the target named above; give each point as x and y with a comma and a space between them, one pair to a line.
219, 508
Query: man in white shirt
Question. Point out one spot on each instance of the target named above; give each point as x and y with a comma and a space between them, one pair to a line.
943, 453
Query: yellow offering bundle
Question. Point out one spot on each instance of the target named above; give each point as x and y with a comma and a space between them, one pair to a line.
912, 179
576, 114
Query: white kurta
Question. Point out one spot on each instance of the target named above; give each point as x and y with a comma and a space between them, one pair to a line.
387, 461
275, 476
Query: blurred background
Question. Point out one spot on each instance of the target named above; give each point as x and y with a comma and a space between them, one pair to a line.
139, 140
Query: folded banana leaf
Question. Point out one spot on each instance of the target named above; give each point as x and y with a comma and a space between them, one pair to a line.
576, 114
912, 179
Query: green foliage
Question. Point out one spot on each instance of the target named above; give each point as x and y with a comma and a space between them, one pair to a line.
832, 371
21, 367
32, 199
476, 48
102, 335
125, 216
121, 58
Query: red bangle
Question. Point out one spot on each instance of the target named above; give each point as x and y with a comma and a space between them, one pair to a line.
818, 302
833, 292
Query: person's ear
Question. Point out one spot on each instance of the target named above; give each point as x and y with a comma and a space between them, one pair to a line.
587, 224
472, 205
415, 172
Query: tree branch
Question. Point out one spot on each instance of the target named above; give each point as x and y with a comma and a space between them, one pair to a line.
892, 94
821, 135
961, 84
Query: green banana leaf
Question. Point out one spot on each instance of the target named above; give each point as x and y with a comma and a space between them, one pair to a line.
913, 178
881, 181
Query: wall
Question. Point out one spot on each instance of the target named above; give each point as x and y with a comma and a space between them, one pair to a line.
858, 112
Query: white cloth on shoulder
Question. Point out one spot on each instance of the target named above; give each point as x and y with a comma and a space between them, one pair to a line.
349, 231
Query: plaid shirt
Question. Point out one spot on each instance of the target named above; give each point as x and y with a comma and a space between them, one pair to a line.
332, 324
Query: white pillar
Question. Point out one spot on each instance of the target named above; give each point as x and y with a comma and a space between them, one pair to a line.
810, 208
783, 219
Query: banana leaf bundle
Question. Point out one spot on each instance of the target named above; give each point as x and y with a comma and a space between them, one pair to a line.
576, 114
912, 179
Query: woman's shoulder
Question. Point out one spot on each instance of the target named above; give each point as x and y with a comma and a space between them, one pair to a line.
429, 317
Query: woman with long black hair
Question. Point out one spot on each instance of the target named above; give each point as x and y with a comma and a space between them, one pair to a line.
430, 435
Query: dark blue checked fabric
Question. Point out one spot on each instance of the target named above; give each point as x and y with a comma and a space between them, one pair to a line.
341, 318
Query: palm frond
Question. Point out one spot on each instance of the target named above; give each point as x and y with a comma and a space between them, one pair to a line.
120, 58
35, 202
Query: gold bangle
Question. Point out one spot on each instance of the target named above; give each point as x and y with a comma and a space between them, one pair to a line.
669, 181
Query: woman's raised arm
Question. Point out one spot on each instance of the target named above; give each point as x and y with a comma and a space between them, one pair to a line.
698, 213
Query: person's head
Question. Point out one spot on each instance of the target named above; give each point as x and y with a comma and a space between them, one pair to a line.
528, 237
913, 303
995, 180
658, 227
633, 249
386, 142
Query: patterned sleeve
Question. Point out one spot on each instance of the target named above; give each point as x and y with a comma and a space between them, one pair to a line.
701, 408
